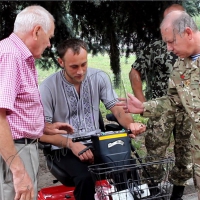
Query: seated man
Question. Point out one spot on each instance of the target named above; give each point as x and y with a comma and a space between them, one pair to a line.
72, 96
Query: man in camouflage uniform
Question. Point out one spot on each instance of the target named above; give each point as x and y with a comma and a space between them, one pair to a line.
182, 36
154, 65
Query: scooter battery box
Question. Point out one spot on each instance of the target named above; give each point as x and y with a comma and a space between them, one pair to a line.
112, 147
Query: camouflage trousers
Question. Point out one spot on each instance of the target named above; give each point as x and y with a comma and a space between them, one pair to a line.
157, 139
195, 140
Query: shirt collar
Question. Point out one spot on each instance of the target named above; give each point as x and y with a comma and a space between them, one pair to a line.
194, 57
22, 47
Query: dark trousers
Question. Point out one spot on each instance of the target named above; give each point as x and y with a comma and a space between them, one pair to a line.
84, 185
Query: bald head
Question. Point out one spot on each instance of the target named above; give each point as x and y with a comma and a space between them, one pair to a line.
180, 33
178, 21
173, 7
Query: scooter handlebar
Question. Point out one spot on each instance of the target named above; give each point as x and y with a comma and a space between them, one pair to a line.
83, 138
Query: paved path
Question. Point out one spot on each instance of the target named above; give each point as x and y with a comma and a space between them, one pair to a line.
190, 197
190, 192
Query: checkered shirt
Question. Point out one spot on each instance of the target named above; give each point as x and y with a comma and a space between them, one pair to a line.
19, 93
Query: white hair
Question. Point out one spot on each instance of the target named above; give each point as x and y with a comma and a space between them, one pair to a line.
32, 16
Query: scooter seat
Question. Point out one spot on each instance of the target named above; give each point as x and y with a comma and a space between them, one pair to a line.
59, 174
56, 171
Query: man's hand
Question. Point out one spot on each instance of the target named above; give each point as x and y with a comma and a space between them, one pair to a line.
58, 128
136, 128
86, 156
131, 104
23, 186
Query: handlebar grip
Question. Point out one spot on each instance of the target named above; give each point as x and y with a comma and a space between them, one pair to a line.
78, 139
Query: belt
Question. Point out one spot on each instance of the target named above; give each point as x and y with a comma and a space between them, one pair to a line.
25, 141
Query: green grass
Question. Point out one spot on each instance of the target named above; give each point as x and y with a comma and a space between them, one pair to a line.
103, 62
42, 74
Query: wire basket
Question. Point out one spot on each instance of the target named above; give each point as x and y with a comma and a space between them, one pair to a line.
132, 180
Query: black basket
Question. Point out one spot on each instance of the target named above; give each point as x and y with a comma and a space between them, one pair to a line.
121, 181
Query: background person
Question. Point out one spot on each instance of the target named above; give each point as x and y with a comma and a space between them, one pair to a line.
21, 112
154, 65
72, 95
182, 36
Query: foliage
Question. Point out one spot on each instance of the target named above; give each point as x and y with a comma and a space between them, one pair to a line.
112, 27
117, 26
197, 20
192, 7
139, 147
57, 8
8, 11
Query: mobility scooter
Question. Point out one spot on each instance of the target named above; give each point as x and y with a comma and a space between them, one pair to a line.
119, 172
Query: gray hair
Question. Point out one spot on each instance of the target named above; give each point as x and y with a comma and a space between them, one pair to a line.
184, 21
32, 16
180, 20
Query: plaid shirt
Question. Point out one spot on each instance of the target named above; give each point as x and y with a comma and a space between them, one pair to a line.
19, 93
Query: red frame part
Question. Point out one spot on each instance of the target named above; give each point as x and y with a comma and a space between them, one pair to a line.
60, 192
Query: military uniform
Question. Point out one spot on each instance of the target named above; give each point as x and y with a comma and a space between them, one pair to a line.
183, 92
155, 65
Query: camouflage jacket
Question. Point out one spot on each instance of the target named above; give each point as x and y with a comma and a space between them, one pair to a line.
155, 64
183, 92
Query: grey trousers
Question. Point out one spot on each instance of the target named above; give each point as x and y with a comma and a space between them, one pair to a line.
29, 156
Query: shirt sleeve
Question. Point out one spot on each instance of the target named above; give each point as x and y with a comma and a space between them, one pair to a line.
47, 102
107, 93
170, 103
156, 107
9, 80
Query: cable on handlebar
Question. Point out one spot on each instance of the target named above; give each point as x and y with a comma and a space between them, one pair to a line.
83, 138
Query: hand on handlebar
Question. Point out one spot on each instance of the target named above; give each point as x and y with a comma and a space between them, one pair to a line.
87, 155
136, 128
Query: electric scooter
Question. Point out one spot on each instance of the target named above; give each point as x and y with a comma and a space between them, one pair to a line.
117, 176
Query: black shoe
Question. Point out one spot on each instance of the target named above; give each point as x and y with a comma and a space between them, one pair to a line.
177, 192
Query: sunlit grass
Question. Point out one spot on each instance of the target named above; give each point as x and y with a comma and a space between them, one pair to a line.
42, 74
103, 62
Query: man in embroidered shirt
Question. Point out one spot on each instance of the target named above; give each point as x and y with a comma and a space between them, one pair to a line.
182, 36
72, 95
21, 112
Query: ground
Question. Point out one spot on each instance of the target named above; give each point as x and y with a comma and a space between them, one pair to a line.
45, 179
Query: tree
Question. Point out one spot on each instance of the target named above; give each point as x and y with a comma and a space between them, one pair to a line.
117, 26
113, 27
192, 7
57, 8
